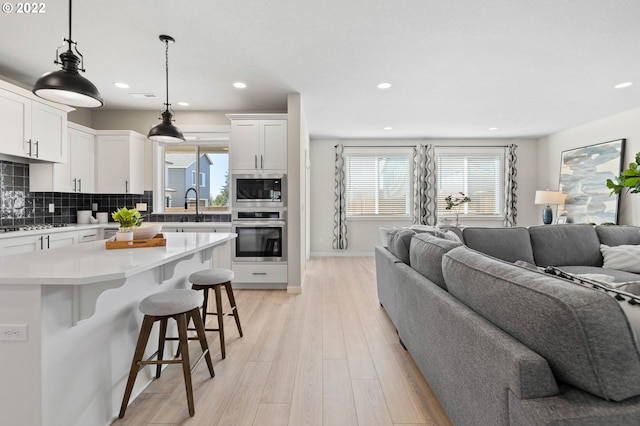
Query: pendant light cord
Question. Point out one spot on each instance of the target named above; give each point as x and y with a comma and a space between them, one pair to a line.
70, 1
166, 56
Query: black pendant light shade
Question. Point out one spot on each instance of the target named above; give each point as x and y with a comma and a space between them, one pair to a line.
166, 132
67, 86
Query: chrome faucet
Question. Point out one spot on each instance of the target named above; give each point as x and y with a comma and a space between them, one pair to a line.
186, 203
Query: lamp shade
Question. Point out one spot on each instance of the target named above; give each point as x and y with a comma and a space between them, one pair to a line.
549, 197
68, 88
166, 132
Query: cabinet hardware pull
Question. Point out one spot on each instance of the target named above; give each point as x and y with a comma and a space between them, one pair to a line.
79, 185
48, 245
126, 186
258, 273
75, 187
37, 149
255, 161
29, 143
261, 162
41, 243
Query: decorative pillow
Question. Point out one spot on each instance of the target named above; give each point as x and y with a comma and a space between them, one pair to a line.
399, 242
625, 258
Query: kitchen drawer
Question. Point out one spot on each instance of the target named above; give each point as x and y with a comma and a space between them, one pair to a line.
88, 235
260, 272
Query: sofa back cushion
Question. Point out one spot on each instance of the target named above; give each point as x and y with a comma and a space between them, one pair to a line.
581, 332
426, 256
509, 244
612, 235
565, 245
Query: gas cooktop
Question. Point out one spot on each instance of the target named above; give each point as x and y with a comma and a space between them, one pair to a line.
32, 227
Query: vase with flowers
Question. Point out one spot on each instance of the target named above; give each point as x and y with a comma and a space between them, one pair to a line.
128, 219
454, 203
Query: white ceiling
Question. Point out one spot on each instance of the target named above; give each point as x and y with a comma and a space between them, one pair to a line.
458, 67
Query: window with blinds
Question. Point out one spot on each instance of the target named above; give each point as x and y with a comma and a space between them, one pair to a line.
479, 175
378, 185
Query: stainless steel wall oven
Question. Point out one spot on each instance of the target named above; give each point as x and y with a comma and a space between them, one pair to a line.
262, 235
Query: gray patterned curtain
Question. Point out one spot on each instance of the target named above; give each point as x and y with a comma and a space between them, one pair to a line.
339, 202
425, 209
511, 199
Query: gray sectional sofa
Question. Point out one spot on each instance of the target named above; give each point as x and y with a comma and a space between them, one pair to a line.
505, 344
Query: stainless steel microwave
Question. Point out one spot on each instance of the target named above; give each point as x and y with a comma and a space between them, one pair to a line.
259, 190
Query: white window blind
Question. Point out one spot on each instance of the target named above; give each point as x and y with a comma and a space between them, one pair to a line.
479, 175
378, 185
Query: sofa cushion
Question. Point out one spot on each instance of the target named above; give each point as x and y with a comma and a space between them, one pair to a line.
399, 242
510, 244
618, 235
567, 245
623, 257
426, 256
583, 333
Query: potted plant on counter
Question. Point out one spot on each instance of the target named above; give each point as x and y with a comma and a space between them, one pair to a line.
128, 219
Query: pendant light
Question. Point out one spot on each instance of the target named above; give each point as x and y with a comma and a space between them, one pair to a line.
165, 131
67, 86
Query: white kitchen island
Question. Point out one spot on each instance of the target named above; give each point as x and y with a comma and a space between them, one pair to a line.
80, 306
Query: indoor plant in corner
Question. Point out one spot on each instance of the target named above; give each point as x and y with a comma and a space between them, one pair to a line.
629, 179
128, 219
454, 203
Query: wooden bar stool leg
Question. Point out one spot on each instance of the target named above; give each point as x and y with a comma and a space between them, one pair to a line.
161, 340
220, 316
197, 321
181, 319
234, 308
204, 305
143, 337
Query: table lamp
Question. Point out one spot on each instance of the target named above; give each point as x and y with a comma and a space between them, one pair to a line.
548, 197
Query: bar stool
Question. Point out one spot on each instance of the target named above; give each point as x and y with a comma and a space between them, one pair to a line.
214, 279
180, 305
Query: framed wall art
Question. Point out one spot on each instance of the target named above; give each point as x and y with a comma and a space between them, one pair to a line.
583, 178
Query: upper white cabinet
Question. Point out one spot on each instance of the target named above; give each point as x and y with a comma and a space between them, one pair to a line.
119, 162
258, 142
31, 128
77, 174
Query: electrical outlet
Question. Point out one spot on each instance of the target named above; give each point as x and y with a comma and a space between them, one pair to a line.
141, 207
13, 332
52, 208
94, 206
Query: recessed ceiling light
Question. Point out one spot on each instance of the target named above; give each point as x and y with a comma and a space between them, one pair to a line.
388, 128
183, 103
623, 85
239, 85
384, 85
493, 128
121, 85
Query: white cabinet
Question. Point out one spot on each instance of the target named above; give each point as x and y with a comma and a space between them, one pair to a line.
31, 129
258, 144
119, 162
260, 273
31, 243
77, 174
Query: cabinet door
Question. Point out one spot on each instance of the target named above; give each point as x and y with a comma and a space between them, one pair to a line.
48, 133
81, 160
112, 165
15, 112
222, 256
19, 245
60, 239
274, 145
245, 145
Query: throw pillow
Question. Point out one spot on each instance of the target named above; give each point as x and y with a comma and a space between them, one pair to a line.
624, 258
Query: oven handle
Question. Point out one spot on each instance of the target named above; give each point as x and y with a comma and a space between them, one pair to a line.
273, 223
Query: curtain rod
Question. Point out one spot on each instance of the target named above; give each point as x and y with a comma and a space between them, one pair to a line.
435, 146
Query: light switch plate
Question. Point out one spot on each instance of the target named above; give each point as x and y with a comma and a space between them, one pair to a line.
141, 207
52, 208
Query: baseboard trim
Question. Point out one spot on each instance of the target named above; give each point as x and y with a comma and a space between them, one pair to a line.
342, 254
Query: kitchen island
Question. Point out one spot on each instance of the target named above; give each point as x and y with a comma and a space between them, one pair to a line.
77, 308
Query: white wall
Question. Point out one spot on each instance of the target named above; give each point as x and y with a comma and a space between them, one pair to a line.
362, 233
624, 125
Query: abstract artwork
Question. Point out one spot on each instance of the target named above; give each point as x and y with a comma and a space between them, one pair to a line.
583, 177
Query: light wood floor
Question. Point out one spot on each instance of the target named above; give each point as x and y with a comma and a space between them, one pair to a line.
328, 356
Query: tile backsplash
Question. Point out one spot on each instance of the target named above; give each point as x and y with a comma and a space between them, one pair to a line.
19, 206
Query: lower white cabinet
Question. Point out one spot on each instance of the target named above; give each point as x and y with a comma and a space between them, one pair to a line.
32, 243
260, 272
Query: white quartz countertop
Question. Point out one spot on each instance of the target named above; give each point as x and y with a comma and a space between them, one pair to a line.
91, 262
